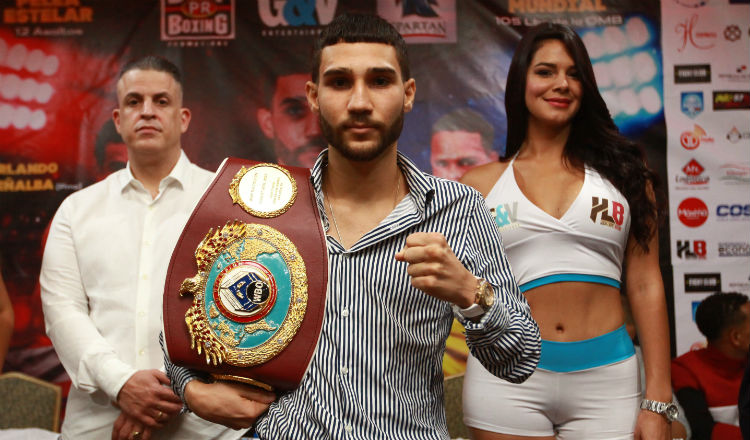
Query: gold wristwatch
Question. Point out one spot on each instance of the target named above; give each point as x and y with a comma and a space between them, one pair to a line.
485, 296
483, 300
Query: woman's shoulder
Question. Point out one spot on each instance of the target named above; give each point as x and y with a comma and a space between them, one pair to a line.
483, 177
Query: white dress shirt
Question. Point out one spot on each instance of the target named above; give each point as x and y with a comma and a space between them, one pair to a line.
102, 281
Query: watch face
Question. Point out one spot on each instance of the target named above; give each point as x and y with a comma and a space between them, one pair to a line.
672, 412
488, 295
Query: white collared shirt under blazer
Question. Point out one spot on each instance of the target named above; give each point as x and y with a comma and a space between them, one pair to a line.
377, 371
102, 280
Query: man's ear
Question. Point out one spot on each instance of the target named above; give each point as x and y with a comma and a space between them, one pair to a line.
116, 119
265, 122
185, 116
410, 89
311, 92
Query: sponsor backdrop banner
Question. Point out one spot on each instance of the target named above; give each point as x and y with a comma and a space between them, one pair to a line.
706, 52
245, 64
692, 283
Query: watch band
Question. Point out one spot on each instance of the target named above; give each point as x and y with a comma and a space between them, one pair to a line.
472, 311
667, 409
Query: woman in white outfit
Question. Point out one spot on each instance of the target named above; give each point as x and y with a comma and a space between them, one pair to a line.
574, 202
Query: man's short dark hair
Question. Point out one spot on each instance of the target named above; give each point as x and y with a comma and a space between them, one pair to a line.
269, 76
361, 28
466, 119
152, 62
719, 312
107, 135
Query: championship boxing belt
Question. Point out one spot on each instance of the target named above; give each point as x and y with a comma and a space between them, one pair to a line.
245, 290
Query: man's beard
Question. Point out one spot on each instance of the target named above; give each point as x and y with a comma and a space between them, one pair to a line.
390, 135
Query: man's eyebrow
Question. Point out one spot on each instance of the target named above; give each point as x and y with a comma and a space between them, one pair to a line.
337, 71
140, 95
346, 71
133, 95
293, 100
383, 70
162, 95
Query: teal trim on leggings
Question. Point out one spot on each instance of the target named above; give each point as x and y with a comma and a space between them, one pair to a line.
564, 357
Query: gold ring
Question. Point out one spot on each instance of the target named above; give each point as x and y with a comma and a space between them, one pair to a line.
135, 435
158, 416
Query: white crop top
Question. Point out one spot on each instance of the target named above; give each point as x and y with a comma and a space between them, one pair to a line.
586, 244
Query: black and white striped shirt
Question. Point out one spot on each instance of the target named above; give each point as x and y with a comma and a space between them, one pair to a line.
377, 369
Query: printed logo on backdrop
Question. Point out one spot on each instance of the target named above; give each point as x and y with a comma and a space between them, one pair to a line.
731, 100
291, 18
607, 214
734, 135
740, 74
733, 211
739, 286
692, 212
197, 23
691, 249
692, 73
691, 35
735, 174
421, 21
734, 249
702, 282
732, 32
691, 103
690, 140
31, 176
48, 18
577, 13
693, 176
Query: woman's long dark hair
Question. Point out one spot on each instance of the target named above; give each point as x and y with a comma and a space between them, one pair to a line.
594, 138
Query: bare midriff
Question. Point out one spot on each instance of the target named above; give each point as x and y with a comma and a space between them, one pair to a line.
574, 311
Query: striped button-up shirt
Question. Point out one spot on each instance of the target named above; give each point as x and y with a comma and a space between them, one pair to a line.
377, 369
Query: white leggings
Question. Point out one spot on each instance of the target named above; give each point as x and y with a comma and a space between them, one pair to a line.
596, 403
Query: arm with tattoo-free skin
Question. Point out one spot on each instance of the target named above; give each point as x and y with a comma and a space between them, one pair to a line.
645, 291
90, 360
231, 404
506, 338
